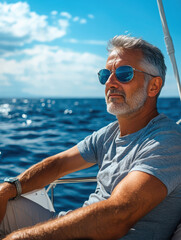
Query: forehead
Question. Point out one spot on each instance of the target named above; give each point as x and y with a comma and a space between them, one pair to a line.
120, 57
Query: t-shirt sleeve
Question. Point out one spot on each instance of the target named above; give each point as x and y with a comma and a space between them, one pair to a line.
161, 157
91, 147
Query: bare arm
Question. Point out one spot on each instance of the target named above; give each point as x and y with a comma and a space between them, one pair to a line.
51, 169
43, 173
136, 195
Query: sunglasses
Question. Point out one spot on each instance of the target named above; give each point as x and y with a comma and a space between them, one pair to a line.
124, 74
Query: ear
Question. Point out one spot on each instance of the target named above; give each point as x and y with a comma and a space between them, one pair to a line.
154, 86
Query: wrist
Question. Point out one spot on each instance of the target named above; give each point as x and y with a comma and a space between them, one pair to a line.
15, 186
8, 190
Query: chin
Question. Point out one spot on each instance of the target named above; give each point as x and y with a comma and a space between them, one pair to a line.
117, 109
122, 110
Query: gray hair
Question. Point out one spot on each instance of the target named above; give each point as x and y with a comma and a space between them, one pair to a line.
153, 59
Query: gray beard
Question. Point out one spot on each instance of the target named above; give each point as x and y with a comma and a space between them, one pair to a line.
129, 106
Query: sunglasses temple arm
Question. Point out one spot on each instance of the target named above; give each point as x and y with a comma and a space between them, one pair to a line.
143, 72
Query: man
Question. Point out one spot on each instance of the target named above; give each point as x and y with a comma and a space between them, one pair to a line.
138, 194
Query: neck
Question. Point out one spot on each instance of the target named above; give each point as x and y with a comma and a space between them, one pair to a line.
136, 121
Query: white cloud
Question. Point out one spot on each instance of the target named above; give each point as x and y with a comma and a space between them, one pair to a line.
91, 16
4, 81
41, 69
83, 21
9, 67
75, 19
95, 42
79, 20
51, 71
63, 23
19, 25
54, 13
89, 42
72, 40
66, 14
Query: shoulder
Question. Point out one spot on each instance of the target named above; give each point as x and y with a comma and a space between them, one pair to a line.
161, 139
159, 152
166, 123
91, 147
163, 129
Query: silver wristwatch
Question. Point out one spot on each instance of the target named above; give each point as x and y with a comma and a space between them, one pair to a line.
16, 182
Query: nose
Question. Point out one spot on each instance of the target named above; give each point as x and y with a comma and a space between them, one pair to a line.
112, 81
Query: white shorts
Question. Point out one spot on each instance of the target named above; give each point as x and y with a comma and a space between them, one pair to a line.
23, 213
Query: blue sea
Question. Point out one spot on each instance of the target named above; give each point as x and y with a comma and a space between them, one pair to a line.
33, 129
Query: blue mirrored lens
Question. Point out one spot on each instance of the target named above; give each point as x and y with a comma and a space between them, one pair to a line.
103, 75
124, 73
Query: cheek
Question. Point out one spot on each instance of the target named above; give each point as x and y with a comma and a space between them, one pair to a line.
106, 90
134, 86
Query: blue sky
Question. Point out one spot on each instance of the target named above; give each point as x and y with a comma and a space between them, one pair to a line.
54, 48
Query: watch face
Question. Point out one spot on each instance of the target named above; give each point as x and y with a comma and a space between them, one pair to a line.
10, 179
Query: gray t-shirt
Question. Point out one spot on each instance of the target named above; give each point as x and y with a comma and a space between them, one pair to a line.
156, 150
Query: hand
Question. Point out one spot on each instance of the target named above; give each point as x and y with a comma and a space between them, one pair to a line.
14, 236
24, 234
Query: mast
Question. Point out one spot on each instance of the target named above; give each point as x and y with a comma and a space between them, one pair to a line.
169, 44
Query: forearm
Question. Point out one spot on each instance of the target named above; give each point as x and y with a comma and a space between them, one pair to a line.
40, 174
35, 177
97, 221
50, 169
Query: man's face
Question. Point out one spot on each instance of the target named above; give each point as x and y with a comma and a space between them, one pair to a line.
124, 99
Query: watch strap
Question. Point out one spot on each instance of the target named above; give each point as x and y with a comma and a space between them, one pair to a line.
17, 184
18, 188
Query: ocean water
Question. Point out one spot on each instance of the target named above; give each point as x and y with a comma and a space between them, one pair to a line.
33, 129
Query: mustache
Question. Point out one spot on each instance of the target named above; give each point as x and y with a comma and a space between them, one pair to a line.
115, 91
